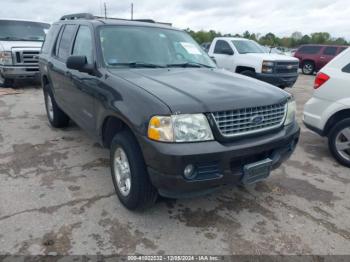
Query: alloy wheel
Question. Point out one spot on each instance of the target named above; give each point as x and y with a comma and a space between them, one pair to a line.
342, 143
122, 171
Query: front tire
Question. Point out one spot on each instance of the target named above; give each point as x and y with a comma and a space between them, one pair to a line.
339, 142
308, 68
7, 83
129, 173
55, 115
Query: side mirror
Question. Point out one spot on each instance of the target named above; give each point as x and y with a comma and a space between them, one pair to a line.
79, 63
227, 52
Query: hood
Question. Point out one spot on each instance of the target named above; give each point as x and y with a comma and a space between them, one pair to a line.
199, 90
8, 45
272, 57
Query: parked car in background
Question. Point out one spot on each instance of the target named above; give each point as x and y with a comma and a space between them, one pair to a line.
175, 124
328, 111
205, 46
247, 57
20, 44
313, 57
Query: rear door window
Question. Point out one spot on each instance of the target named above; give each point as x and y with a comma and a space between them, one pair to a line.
64, 48
330, 50
311, 50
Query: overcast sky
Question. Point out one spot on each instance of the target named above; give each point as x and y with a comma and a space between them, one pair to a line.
227, 16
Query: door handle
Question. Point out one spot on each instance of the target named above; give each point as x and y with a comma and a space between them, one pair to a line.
322, 57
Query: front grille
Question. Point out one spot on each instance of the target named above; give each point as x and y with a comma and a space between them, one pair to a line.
251, 120
30, 57
287, 67
26, 56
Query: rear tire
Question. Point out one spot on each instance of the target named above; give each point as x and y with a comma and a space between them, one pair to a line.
138, 192
339, 142
55, 115
308, 68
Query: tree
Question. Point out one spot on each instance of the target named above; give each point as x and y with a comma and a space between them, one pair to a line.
305, 40
270, 39
320, 38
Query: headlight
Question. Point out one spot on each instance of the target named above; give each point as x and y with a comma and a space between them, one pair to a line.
267, 67
291, 112
180, 128
5, 58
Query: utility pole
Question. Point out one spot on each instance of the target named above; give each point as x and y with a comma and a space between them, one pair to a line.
132, 11
105, 7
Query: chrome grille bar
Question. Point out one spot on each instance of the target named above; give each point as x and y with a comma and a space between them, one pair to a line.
241, 122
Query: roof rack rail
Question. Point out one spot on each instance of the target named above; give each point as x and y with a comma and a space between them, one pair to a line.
78, 16
89, 16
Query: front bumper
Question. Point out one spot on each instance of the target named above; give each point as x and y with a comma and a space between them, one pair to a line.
19, 72
280, 80
216, 164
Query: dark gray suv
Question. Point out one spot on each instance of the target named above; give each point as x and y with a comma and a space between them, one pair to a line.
175, 124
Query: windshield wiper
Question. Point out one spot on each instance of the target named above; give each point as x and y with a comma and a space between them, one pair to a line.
137, 64
189, 64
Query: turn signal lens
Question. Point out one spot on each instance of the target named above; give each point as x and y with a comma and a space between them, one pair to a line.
160, 128
180, 128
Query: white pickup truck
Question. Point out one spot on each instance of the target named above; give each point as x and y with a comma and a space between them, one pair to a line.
247, 57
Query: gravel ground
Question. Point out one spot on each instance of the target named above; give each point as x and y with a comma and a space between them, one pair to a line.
57, 197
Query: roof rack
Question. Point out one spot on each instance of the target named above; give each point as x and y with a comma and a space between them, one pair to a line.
88, 16
78, 16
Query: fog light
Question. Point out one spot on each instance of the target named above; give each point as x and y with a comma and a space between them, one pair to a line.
189, 171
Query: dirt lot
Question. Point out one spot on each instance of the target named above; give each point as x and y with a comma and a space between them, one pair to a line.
57, 197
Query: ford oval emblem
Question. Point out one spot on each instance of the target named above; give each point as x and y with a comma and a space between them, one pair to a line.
257, 120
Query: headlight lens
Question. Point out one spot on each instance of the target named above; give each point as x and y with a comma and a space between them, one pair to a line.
5, 58
267, 67
180, 128
291, 112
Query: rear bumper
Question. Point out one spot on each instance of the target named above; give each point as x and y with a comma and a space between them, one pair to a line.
281, 80
19, 72
216, 164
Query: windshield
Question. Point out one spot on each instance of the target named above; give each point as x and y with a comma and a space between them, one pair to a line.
247, 46
150, 46
22, 30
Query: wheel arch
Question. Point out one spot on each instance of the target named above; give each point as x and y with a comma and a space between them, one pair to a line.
336, 117
308, 60
240, 69
111, 125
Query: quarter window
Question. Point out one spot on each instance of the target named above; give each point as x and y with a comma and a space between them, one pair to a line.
330, 50
221, 46
346, 69
64, 48
83, 43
